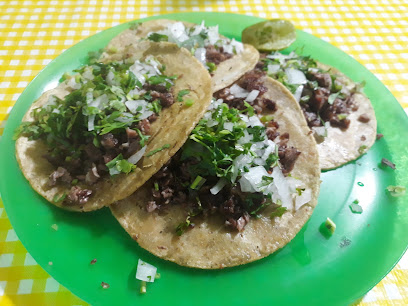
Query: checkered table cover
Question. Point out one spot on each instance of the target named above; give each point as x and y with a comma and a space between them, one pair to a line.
32, 33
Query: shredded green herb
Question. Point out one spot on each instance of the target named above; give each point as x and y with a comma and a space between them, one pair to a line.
166, 146
362, 149
278, 212
181, 94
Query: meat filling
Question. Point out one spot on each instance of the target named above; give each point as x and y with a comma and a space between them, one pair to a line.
88, 165
172, 182
216, 56
324, 99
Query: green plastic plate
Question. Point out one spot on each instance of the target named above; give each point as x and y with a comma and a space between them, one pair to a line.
311, 270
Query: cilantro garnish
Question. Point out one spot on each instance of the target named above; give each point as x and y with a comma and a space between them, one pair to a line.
158, 37
211, 67
166, 146
182, 93
278, 211
118, 164
362, 149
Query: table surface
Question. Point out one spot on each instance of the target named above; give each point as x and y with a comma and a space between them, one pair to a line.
32, 33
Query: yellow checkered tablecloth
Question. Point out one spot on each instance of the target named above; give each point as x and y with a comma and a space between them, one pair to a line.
32, 33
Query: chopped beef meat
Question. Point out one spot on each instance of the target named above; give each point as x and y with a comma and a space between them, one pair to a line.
342, 124
134, 146
155, 87
216, 56
323, 79
312, 119
61, 174
78, 195
109, 141
249, 81
320, 98
272, 130
388, 163
131, 134
363, 118
252, 80
166, 99
152, 118
269, 104
92, 152
144, 126
167, 193
288, 157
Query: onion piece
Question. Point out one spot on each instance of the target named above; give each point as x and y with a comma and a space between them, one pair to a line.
251, 180
218, 187
273, 68
137, 156
254, 121
200, 54
295, 76
213, 35
198, 29
304, 198
238, 92
298, 93
145, 272
252, 95
91, 122
282, 188
229, 126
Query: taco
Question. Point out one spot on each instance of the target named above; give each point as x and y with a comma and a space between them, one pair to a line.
339, 114
227, 60
240, 188
104, 131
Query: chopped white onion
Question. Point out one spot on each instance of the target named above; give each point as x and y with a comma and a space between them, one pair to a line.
246, 139
282, 57
239, 47
145, 272
254, 121
251, 180
298, 93
139, 106
273, 68
295, 76
110, 78
52, 100
218, 187
100, 102
125, 117
304, 198
137, 156
320, 131
252, 95
229, 126
244, 118
73, 84
269, 149
213, 35
136, 105
178, 31
238, 92
282, 187
91, 122
88, 75
200, 54
198, 29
